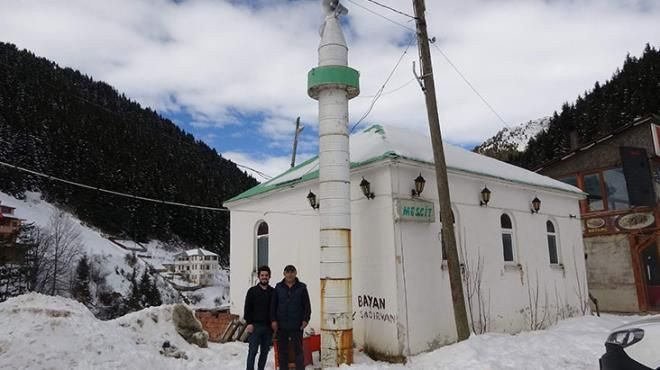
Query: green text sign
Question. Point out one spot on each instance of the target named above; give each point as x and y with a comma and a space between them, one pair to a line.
415, 210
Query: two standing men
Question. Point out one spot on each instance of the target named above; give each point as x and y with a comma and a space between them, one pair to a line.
284, 310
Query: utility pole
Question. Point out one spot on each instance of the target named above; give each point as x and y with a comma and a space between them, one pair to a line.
448, 236
295, 142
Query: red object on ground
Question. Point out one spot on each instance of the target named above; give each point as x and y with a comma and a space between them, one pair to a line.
654, 295
310, 344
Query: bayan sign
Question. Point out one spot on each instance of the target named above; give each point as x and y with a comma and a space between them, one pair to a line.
414, 210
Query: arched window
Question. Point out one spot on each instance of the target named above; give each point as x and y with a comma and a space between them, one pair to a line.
442, 240
507, 237
552, 242
262, 245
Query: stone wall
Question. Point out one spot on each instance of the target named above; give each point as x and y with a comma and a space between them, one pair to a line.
610, 273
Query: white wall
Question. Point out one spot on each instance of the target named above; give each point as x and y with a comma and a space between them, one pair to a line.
294, 239
429, 309
400, 263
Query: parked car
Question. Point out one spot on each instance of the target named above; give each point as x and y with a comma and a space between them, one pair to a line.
634, 346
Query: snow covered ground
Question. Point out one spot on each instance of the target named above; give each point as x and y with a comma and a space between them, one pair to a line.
43, 332
111, 257
34, 210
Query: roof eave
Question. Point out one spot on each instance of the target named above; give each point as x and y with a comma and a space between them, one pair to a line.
387, 156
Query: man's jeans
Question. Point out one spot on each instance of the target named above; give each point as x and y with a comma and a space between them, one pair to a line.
262, 336
282, 346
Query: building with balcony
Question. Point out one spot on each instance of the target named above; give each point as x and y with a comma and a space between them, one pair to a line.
198, 266
620, 171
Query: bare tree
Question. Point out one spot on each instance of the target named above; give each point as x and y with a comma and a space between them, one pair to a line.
477, 303
537, 315
62, 246
580, 288
35, 258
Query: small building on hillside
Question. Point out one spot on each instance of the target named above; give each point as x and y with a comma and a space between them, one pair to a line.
519, 240
9, 223
197, 265
10, 226
620, 171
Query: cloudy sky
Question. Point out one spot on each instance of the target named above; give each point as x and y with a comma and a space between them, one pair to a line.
234, 72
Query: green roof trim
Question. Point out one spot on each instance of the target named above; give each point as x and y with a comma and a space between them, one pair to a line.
265, 187
378, 129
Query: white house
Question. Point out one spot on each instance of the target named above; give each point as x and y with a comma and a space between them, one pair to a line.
522, 269
197, 265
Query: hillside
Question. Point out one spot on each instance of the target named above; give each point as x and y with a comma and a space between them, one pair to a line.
57, 121
509, 142
113, 269
633, 91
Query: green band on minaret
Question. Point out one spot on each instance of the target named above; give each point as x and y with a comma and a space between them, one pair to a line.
333, 76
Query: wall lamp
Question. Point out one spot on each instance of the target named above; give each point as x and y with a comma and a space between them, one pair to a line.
485, 197
313, 202
536, 205
366, 189
419, 186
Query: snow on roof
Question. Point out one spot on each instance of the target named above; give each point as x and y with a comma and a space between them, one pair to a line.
379, 142
195, 252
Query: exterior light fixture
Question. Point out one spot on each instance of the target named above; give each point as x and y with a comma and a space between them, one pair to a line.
485, 197
313, 202
536, 205
419, 186
366, 189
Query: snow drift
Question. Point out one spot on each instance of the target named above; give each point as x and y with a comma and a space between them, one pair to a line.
44, 332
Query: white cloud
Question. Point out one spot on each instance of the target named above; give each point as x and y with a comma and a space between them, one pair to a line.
268, 165
221, 61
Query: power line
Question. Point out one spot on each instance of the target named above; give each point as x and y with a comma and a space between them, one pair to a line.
470, 85
432, 40
153, 200
390, 91
224, 209
118, 193
382, 16
265, 176
379, 93
392, 9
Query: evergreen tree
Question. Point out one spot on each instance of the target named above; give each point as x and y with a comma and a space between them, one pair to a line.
154, 294
133, 302
149, 294
61, 122
632, 92
145, 289
80, 290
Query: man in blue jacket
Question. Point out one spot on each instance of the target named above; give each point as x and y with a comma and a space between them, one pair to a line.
290, 313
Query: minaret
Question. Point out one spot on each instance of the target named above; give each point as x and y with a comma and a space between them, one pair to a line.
333, 83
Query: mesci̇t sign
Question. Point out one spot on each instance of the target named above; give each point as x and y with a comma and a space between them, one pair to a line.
414, 210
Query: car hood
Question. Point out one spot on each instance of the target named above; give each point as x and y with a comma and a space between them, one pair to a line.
653, 320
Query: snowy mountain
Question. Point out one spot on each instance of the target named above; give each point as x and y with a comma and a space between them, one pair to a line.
508, 141
63, 123
112, 264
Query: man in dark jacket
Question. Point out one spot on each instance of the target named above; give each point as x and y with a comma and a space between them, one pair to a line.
257, 318
290, 313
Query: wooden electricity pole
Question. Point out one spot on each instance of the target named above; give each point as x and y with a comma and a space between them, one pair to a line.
448, 236
295, 142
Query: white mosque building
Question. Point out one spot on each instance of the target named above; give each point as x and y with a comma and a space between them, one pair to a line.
518, 234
